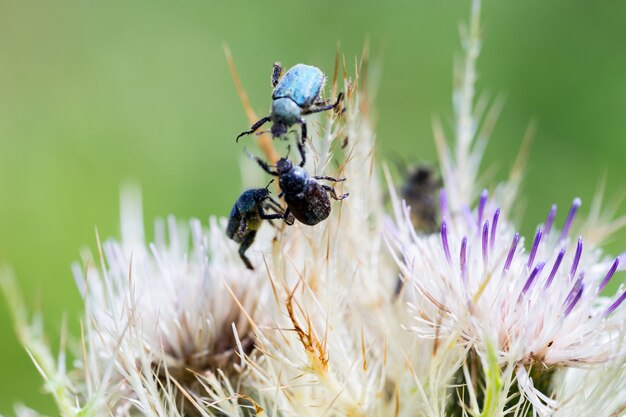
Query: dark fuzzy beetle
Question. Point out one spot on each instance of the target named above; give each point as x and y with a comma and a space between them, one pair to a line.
421, 192
306, 199
295, 95
247, 215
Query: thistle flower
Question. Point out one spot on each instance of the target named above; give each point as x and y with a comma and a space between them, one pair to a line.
538, 302
168, 310
541, 305
163, 322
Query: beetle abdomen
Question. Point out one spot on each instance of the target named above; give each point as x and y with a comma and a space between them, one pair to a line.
254, 221
310, 206
302, 83
234, 221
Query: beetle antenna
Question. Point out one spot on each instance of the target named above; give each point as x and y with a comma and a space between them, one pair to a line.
253, 157
288, 151
250, 154
267, 187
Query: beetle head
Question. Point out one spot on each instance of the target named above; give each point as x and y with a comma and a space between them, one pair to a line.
284, 165
261, 194
279, 130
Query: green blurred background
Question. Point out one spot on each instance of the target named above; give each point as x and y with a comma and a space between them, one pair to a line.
96, 93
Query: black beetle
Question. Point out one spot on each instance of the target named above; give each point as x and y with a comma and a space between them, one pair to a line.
247, 215
306, 199
421, 192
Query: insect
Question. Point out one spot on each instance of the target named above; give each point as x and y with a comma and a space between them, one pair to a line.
247, 215
296, 94
421, 193
306, 199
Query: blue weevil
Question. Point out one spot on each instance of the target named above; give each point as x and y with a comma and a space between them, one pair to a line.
307, 200
247, 215
296, 94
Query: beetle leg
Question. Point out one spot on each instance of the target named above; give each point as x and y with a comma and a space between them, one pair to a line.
267, 216
263, 165
272, 204
277, 72
247, 242
326, 107
285, 215
271, 199
324, 177
322, 103
254, 127
301, 150
333, 194
275, 205
288, 217
301, 142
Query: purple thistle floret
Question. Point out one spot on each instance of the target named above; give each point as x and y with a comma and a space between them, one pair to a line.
575, 300
577, 255
555, 268
481, 205
572, 294
616, 304
509, 258
463, 259
486, 243
533, 251
494, 225
570, 218
531, 278
444, 240
443, 204
467, 213
609, 275
550, 220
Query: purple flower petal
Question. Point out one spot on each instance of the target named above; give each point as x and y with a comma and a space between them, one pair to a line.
575, 300
494, 226
509, 257
531, 278
550, 220
444, 240
533, 251
574, 290
570, 217
485, 243
555, 268
443, 204
579, 251
616, 304
481, 205
463, 259
609, 275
